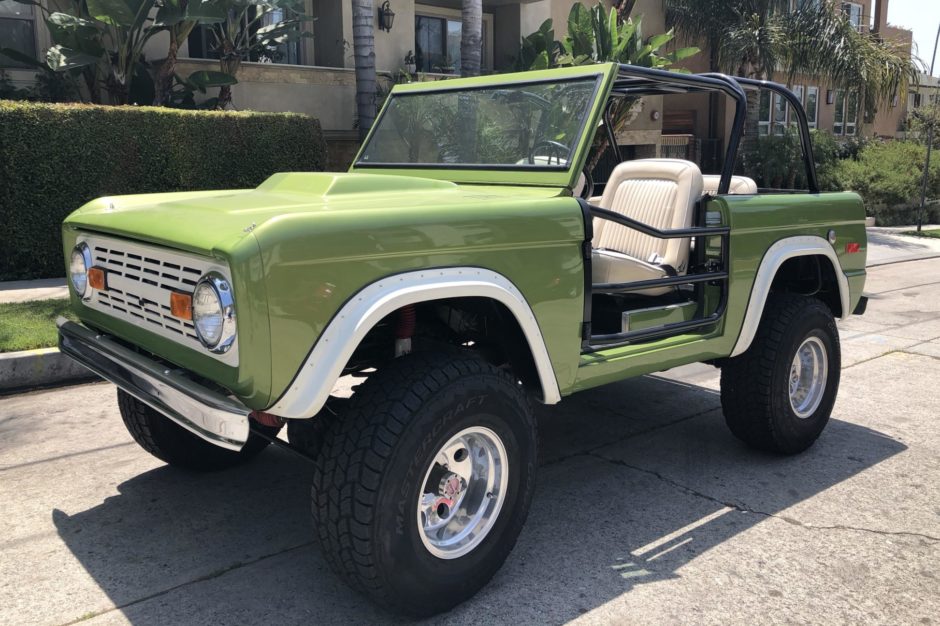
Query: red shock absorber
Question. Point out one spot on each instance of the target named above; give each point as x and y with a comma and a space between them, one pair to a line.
405, 330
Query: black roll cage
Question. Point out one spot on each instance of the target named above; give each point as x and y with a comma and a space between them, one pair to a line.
641, 81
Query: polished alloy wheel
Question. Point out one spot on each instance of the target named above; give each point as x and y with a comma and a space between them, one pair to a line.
808, 373
464, 489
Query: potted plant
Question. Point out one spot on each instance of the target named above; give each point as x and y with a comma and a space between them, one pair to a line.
410, 65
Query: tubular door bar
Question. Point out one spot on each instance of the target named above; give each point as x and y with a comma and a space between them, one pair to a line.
594, 343
658, 282
615, 340
646, 229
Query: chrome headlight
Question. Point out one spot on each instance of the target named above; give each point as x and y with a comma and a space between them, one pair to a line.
78, 268
214, 313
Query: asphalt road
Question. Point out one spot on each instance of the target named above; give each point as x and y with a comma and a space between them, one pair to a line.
647, 510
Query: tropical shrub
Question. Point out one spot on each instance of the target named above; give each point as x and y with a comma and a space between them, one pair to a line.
888, 176
98, 46
54, 158
598, 36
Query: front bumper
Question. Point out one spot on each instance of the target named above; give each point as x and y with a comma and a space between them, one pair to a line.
214, 417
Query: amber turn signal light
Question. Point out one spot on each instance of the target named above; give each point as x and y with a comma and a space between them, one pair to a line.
96, 278
181, 305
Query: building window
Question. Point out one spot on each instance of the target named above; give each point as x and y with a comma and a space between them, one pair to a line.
437, 44
17, 31
204, 44
811, 105
846, 114
763, 114
780, 115
853, 11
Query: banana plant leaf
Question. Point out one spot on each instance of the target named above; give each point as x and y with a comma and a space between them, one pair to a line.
124, 13
60, 58
206, 79
75, 33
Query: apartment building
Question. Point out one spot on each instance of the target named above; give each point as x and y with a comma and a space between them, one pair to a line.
316, 75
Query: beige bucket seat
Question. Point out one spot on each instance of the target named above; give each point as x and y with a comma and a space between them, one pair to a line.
660, 193
740, 185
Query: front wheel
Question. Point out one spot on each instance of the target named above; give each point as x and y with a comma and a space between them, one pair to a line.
173, 444
421, 490
778, 395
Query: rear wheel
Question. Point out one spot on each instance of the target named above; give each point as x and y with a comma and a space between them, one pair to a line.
423, 486
170, 442
778, 395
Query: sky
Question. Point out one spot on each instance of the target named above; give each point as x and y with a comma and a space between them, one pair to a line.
923, 17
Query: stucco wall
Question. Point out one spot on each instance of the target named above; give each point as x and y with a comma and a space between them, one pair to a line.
326, 93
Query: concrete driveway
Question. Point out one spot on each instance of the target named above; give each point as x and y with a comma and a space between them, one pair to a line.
647, 510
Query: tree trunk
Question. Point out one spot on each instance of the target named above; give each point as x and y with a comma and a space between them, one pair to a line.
229, 62
471, 37
624, 9
163, 81
747, 151
364, 55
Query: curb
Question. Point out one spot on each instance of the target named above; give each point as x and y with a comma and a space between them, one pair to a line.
920, 257
39, 368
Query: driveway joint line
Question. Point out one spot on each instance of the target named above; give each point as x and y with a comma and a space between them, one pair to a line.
746, 509
211, 575
590, 451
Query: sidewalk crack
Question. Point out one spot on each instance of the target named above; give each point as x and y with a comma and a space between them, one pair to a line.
590, 451
211, 575
742, 508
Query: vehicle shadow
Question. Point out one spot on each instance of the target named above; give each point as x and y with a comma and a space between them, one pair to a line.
635, 483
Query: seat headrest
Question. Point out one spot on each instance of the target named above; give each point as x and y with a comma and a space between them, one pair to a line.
683, 173
740, 185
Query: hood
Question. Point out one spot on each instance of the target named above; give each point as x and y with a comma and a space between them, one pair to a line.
209, 222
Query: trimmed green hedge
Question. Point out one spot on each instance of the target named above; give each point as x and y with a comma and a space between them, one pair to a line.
54, 158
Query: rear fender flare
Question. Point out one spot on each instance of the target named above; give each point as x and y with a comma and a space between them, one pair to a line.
806, 245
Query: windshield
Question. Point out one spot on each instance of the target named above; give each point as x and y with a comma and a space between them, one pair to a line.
523, 126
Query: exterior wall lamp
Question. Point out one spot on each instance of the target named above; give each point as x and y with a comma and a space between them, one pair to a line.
386, 17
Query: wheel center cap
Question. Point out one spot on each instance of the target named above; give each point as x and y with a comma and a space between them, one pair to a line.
451, 486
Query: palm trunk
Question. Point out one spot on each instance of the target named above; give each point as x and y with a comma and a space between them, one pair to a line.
163, 81
471, 37
624, 9
364, 55
229, 63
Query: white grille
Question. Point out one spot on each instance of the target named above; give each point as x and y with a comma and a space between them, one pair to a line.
140, 279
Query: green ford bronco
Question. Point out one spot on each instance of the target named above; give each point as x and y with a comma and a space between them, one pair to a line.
463, 268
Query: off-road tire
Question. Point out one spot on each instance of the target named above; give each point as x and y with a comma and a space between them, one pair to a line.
755, 385
368, 474
173, 444
308, 435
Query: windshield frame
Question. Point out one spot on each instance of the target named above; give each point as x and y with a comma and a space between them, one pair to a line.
515, 174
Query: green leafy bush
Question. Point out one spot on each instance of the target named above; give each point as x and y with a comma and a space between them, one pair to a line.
888, 176
54, 158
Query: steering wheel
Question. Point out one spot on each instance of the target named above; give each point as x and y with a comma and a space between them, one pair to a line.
588, 190
552, 149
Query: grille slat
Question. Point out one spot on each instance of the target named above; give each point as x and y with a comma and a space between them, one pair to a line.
140, 280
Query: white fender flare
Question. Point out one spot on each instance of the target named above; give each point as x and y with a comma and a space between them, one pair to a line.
316, 377
784, 249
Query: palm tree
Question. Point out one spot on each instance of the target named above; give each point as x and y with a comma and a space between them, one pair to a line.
364, 55
471, 37
757, 38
